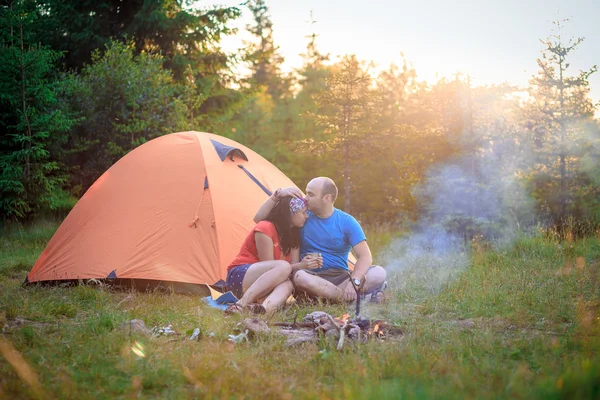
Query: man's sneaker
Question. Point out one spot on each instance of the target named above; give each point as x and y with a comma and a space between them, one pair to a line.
378, 296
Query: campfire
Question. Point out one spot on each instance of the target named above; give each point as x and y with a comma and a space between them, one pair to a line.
319, 324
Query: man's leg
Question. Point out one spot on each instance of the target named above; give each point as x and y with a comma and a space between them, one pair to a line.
262, 278
315, 286
374, 282
374, 279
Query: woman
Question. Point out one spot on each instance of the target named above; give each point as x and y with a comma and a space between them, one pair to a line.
269, 255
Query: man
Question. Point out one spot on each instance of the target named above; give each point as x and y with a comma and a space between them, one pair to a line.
332, 233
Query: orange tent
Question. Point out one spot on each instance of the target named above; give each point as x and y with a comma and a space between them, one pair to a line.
174, 210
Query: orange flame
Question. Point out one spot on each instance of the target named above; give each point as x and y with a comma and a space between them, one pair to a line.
345, 317
378, 330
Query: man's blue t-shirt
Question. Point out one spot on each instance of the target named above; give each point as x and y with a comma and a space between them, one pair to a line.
333, 237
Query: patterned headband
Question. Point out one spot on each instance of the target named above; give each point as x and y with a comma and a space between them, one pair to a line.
297, 204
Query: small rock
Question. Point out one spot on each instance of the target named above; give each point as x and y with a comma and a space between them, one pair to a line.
135, 325
237, 339
354, 332
314, 316
255, 325
195, 334
163, 331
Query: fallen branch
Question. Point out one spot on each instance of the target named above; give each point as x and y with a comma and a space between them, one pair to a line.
340, 344
333, 323
297, 336
291, 325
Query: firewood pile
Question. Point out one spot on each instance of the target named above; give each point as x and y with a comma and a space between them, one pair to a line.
319, 324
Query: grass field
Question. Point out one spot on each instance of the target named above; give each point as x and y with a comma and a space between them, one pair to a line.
521, 322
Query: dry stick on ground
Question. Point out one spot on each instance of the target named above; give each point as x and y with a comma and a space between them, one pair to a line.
342, 335
129, 297
291, 325
297, 336
334, 324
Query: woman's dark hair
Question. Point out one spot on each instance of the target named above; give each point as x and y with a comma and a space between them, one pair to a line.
281, 217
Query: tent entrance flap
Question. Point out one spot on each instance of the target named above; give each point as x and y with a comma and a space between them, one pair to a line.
223, 151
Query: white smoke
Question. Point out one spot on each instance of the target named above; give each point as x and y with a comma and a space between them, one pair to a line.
477, 196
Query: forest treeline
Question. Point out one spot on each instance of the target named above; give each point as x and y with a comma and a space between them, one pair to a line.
84, 82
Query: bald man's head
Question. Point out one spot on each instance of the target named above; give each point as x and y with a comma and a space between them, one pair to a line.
318, 188
328, 187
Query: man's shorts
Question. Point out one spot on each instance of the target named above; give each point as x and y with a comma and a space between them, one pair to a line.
337, 276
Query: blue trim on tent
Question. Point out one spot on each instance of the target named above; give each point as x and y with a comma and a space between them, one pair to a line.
206, 182
223, 151
112, 275
267, 191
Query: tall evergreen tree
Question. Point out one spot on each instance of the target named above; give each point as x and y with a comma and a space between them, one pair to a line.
30, 120
354, 112
297, 153
258, 122
560, 116
186, 37
176, 28
265, 60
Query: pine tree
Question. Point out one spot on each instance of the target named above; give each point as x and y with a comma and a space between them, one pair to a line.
559, 116
265, 60
295, 150
353, 106
30, 119
185, 36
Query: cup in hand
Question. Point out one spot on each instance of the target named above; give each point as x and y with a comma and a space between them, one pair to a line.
316, 256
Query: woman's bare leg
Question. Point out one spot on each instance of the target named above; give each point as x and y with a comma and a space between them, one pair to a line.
278, 296
262, 277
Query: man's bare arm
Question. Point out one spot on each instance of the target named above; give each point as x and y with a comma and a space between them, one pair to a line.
269, 204
364, 260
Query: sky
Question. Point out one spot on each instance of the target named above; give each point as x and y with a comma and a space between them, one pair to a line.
494, 41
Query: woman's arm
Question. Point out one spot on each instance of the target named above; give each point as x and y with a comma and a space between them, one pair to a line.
295, 255
264, 246
265, 208
271, 202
